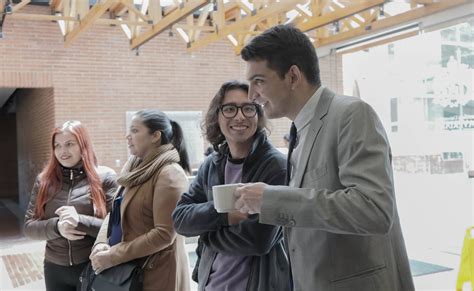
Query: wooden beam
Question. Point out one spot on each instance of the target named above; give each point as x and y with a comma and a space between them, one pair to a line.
167, 21
272, 20
262, 26
315, 7
67, 26
100, 21
195, 27
118, 9
20, 5
392, 21
257, 4
55, 5
145, 5
356, 20
232, 10
244, 7
372, 15
247, 37
219, 15
330, 17
107, 21
73, 13
82, 9
97, 11
325, 4
352, 2
241, 38
323, 32
200, 23
247, 34
346, 24
379, 42
261, 15
424, 2
131, 8
190, 23
143, 10
132, 17
302, 12
154, 11
168, 9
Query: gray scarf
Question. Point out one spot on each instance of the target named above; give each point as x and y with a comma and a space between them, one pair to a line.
137, 171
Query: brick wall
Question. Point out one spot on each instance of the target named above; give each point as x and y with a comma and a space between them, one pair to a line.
97, 79
331, 72
8, 157
35, 120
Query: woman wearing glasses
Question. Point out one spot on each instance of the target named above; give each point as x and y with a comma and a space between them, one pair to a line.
238, 253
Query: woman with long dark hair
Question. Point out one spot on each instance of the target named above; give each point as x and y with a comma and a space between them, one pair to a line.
70, 198
140, 227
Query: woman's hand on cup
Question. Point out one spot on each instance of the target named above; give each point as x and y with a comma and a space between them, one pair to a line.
69, 214
68, 231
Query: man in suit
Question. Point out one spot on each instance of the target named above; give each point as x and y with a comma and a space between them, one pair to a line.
342, 228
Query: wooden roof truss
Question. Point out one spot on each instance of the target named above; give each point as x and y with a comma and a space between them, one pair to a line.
202, 22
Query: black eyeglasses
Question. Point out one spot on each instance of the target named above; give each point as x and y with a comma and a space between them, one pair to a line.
230, 110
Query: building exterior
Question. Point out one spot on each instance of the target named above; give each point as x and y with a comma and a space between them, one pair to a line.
97, 80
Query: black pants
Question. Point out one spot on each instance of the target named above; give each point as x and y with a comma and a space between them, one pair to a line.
62, 278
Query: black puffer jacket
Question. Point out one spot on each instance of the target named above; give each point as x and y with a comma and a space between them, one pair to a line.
75, 191
195, 216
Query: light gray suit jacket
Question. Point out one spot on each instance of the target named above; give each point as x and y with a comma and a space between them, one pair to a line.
342, 226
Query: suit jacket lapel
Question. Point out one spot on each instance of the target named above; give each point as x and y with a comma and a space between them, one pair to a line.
321, 110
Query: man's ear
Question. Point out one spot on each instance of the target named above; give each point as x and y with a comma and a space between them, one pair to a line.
156, 138
295, 75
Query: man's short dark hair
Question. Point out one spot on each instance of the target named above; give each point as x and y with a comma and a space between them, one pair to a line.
283, 46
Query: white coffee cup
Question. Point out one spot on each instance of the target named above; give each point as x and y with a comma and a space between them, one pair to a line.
224, 198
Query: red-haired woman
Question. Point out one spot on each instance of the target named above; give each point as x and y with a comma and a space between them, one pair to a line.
70, 198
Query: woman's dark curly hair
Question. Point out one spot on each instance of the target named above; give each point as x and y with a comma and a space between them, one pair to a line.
211, 123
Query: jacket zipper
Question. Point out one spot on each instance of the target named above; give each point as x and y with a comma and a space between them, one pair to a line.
251, 274
71, 177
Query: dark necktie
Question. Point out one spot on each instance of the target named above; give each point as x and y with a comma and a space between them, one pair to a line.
291, 147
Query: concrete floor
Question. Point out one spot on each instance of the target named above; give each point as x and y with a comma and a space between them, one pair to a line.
21, 263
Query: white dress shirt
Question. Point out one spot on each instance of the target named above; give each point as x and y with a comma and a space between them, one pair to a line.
302, 121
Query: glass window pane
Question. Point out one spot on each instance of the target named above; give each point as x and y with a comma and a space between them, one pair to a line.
423, 94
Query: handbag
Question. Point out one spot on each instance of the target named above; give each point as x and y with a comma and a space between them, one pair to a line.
124, 277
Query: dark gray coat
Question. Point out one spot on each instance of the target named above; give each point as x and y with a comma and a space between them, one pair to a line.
75, 191
195, 216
